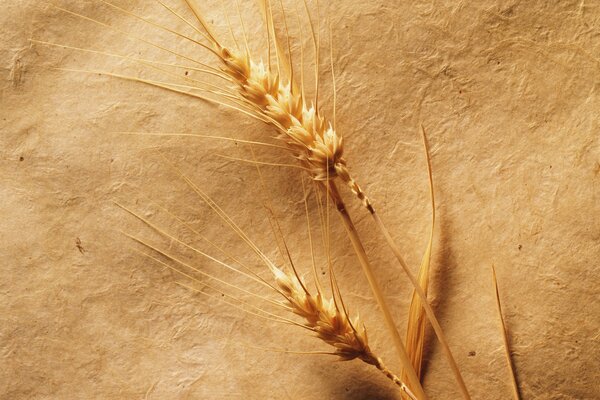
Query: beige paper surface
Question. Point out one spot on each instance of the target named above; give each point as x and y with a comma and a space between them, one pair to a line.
508, 95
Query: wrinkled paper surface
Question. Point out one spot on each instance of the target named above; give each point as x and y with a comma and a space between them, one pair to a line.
507, 92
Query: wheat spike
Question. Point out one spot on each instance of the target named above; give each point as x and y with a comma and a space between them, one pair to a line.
327, 317
314, 143
332, 325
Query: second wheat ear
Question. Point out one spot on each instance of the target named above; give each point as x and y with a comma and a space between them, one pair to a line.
326, 317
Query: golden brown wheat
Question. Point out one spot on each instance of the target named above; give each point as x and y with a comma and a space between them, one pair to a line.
270, 96
312, 140
310, 136
332, 324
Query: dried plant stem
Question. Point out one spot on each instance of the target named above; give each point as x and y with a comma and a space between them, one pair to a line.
390, 375
428, 310
415, 328
412, 377
509, 362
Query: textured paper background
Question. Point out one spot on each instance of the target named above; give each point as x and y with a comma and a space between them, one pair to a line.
508, 93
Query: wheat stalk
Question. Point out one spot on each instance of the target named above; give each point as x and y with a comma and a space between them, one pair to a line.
309, 136
314, 143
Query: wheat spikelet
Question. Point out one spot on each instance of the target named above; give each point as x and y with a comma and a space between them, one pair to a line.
323, 315
319, 148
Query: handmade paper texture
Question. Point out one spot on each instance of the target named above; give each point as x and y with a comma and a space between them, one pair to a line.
508, 95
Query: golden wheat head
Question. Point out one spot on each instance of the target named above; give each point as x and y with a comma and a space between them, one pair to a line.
310, 136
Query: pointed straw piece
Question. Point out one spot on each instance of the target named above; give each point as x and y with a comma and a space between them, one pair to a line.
221, 214
316, 47
188, 23
269, 315
229, 27
212, 244
244, 34
415, 330
266, 14
423, 297
192, 268
276, 46
170, 87
295, 166
275, 225
277, 350
302, 91
333, 81
310, 240
289, 67
207, 68
127, 34
268, 32
509, 361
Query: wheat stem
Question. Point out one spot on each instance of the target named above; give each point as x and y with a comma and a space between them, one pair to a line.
380, 366
509, 362
368, 271
415, 328
428, 310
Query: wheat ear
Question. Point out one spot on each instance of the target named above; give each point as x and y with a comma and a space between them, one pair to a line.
314, 143
327, 317
319, 148
332, 325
